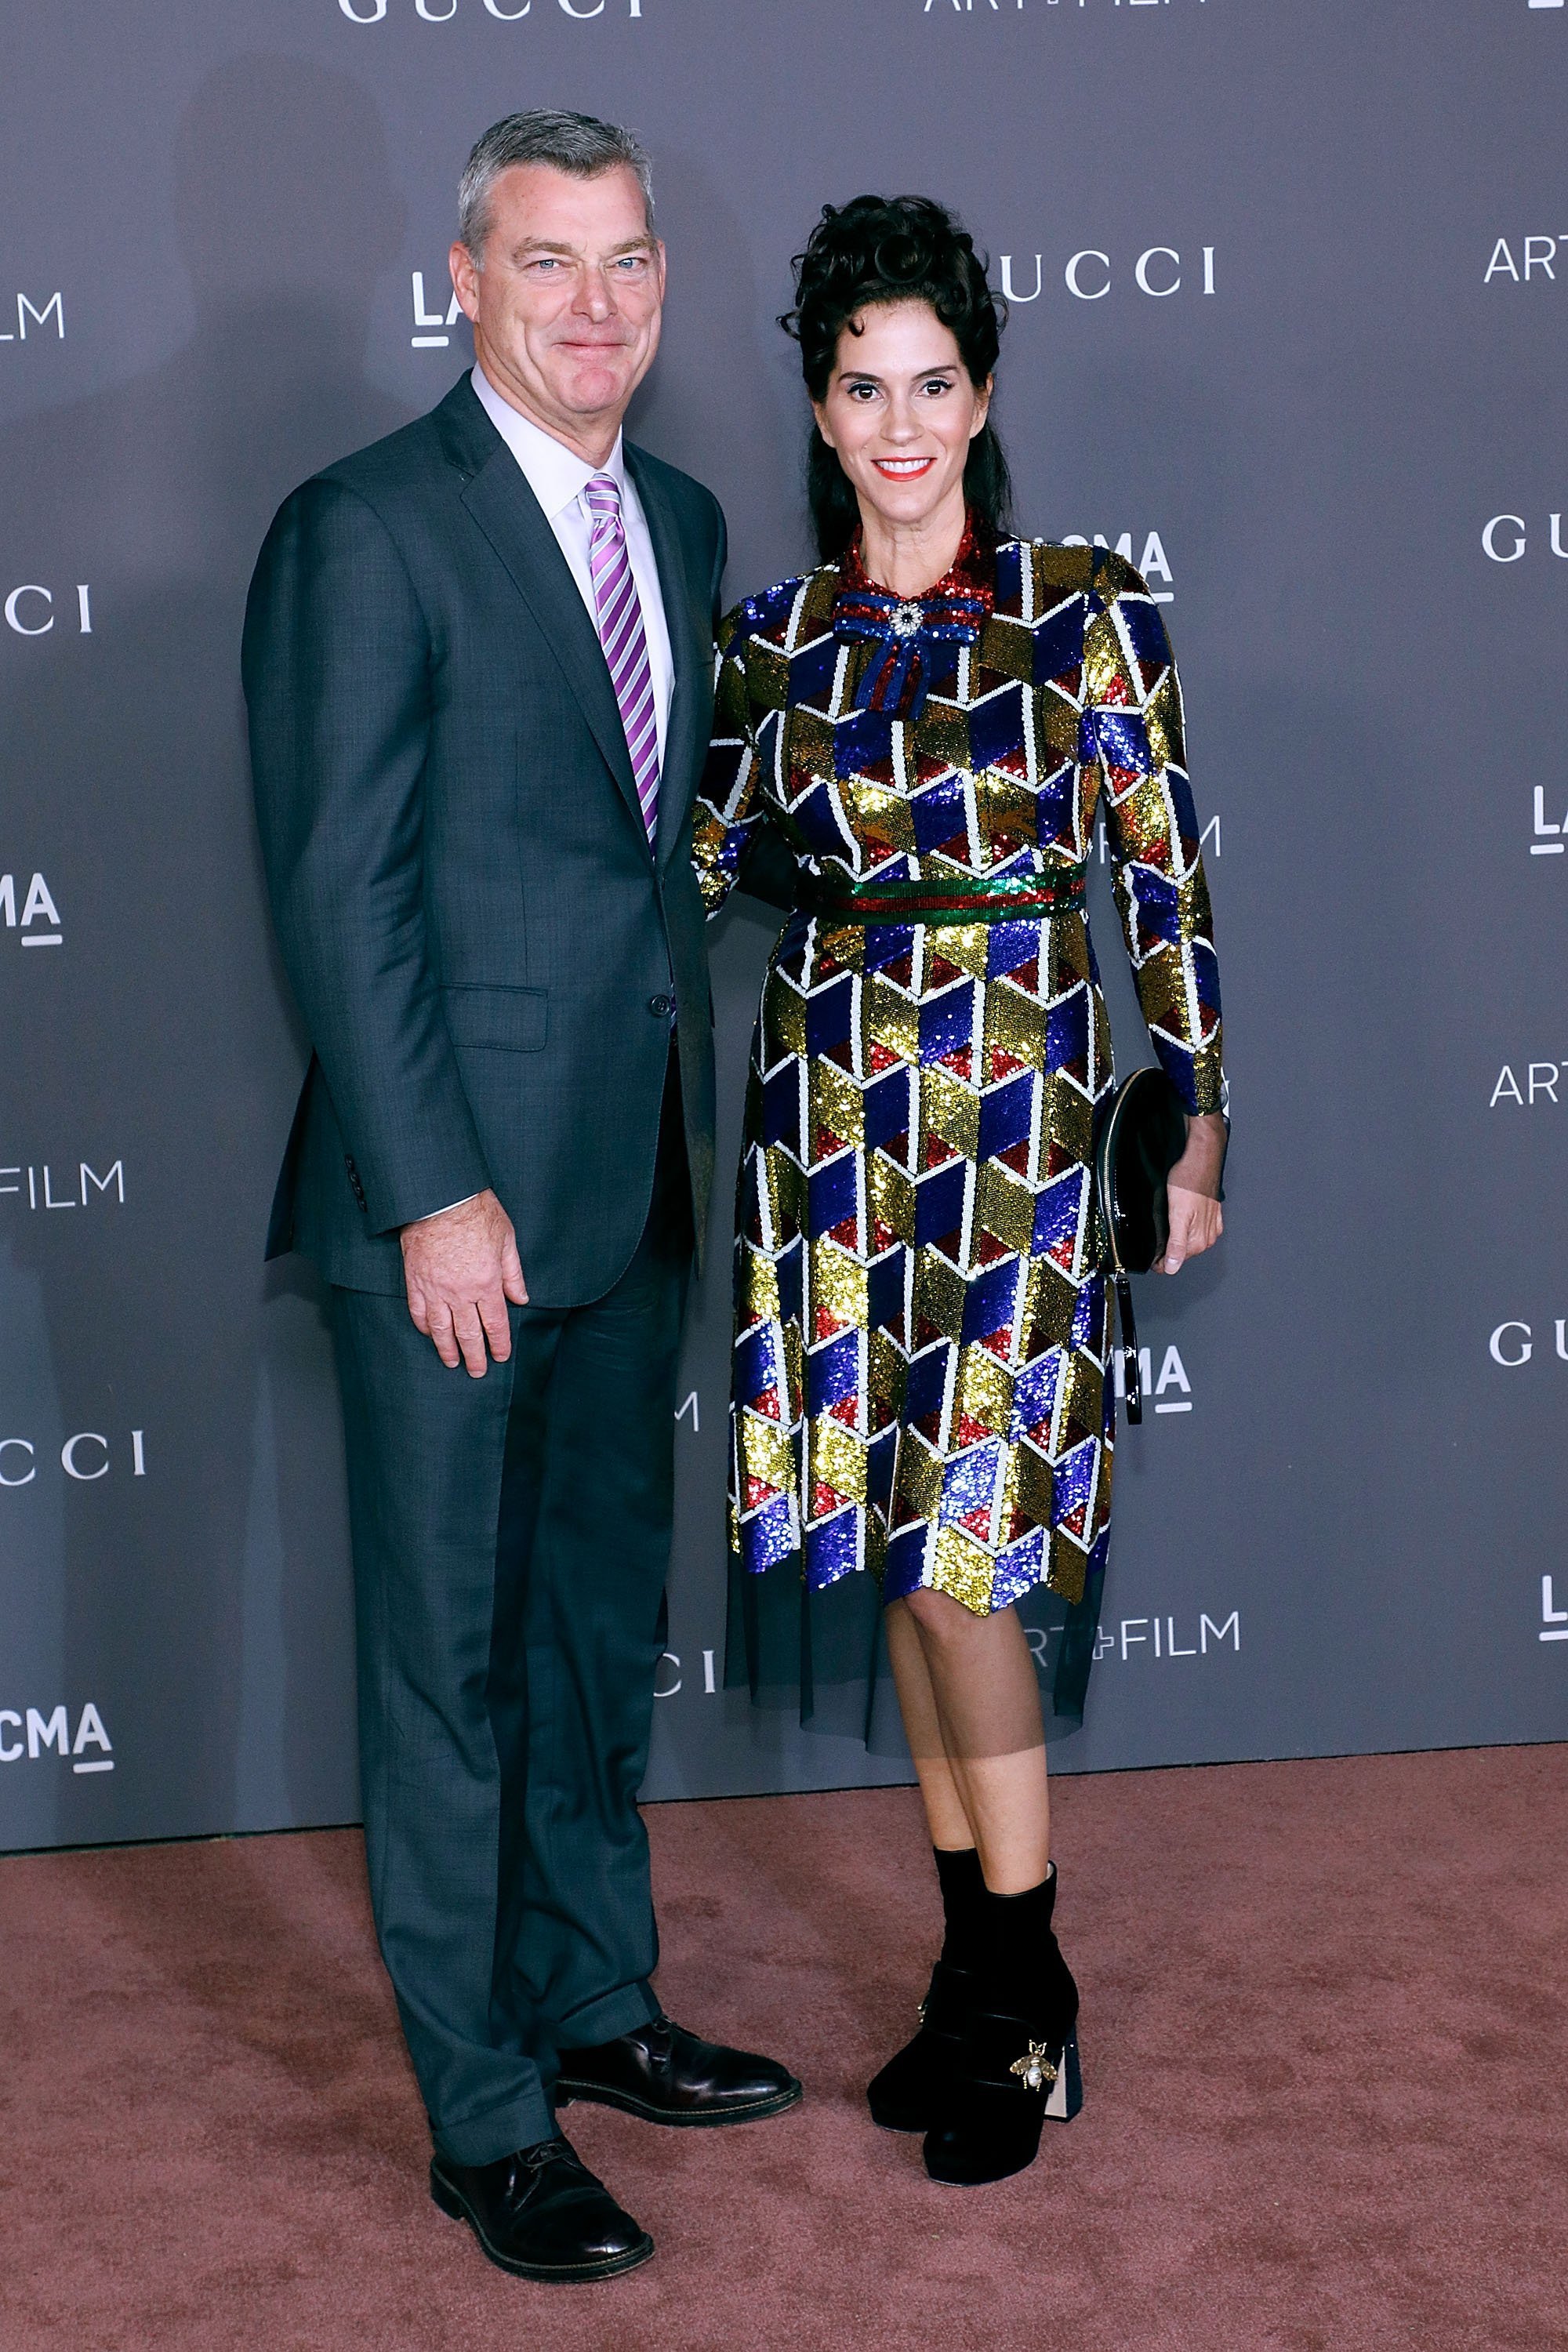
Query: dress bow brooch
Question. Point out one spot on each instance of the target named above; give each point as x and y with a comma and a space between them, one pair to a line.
905, 630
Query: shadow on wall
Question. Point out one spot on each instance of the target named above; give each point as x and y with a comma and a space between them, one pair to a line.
165, 1027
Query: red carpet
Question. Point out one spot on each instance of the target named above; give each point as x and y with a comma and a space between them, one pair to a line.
1324, 2051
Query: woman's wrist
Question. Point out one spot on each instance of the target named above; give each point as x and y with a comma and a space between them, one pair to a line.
1201, 1167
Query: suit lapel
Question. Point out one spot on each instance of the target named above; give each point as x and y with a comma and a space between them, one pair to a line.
689, 654
506, 510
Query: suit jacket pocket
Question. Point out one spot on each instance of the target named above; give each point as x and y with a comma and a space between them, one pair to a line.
509, 1020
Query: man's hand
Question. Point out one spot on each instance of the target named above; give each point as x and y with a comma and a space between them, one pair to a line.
460, 1268
1197, 1220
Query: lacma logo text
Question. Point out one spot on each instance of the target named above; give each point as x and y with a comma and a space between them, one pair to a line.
1154, 562
29, 1736
1173, 1375
29, 315
37, 907
426, 319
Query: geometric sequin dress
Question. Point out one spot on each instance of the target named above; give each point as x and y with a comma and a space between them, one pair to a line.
923, 1327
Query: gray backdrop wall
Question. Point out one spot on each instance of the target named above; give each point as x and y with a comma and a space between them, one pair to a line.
1291, 282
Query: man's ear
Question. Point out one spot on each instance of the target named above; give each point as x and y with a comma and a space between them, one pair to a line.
465, 272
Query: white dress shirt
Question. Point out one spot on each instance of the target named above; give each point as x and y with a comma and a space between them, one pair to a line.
557, 477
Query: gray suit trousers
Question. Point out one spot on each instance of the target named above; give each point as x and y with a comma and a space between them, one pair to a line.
511, 1541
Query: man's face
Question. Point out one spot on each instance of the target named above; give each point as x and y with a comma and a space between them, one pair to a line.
565, 298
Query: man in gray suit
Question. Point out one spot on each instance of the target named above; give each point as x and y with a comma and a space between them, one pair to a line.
477, 667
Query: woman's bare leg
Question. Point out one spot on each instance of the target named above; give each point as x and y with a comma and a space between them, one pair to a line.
971, 1705
949, 1822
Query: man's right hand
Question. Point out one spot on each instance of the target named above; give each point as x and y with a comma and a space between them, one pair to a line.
460, 1267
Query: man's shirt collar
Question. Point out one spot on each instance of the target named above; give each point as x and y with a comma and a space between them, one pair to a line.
557, 475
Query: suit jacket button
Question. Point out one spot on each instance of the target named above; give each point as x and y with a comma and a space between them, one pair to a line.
661, 1007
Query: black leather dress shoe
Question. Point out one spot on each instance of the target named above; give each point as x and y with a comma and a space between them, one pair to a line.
542, 2214
667, 2076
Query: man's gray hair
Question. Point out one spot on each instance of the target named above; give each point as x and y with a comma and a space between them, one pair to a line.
577, 143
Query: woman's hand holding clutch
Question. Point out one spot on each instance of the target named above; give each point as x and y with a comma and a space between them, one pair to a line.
1192, 1187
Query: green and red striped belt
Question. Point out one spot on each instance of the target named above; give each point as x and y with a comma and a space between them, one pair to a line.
950, 898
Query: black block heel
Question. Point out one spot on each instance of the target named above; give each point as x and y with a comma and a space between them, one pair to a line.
1008, 2079
906, 2095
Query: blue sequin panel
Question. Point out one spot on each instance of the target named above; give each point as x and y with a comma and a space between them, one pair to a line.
904, 1567
768, 1536
1145, 631
1122, 741
834, 1193
1074, 1480
833, 1372
1019, 1569
830, 1015
969, 1480
1034, 1395
996, 728
1006, 1116
1057, 1213
882, 1460
781, 1106
888, 1106
941, 815
756, 1361
1058, 643
884, 1288
1066, 1034
833, 1549
1159, 911
811, 674
990, 1300
864, 740
947, 1022
939, 1202
927, 1388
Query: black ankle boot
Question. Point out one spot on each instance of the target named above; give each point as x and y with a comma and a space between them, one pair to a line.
904, 2095
1017, 2059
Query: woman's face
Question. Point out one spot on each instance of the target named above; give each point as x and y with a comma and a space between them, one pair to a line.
900, 412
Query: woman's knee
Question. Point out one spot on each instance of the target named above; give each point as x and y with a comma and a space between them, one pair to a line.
939, 1615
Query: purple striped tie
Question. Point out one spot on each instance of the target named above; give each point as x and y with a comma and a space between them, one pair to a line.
621, 635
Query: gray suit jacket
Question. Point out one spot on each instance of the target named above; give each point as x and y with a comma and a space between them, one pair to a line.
482, 945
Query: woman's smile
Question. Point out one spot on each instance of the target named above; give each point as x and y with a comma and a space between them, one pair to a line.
903, 470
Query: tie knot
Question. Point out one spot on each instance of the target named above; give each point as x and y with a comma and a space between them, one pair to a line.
603, 493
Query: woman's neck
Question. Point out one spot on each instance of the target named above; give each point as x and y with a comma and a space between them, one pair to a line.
909, 558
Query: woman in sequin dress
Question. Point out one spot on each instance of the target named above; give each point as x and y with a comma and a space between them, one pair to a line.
925, 729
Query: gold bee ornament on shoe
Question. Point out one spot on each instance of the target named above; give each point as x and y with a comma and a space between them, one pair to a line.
1035, 2067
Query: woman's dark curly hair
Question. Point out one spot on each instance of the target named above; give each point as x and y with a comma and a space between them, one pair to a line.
879, 250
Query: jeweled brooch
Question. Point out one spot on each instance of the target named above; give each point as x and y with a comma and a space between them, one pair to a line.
1035, 2068
906, 620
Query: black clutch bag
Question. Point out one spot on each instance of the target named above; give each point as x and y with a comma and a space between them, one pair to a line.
1141, 1134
